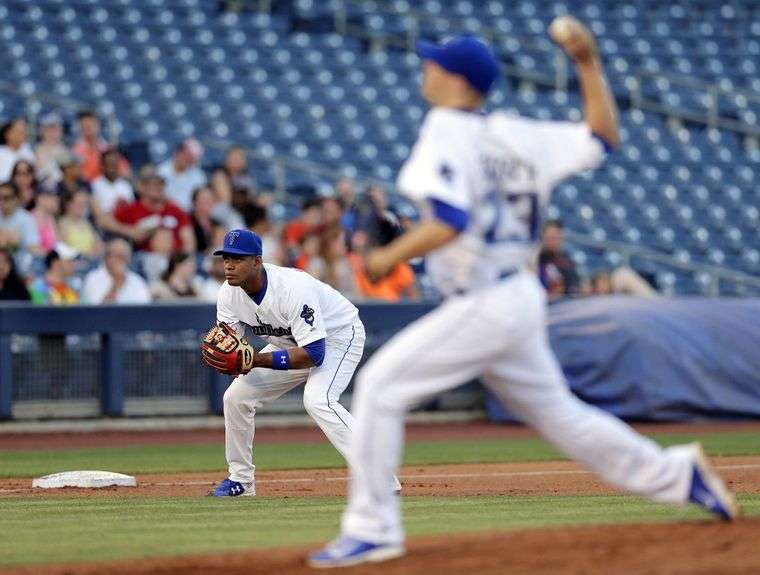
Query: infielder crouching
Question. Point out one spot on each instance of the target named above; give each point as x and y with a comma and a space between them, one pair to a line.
315, 337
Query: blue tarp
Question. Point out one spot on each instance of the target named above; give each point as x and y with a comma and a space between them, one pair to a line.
659, 359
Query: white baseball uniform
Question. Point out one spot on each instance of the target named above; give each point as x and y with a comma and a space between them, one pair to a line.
499, 170
296, 310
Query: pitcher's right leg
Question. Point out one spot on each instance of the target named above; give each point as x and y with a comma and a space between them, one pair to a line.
530, 383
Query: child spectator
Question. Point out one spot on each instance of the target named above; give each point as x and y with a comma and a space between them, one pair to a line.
53, 288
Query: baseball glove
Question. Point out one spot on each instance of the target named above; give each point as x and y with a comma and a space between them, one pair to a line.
224, 350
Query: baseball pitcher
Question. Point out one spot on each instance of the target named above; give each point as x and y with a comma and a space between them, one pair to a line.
483, 180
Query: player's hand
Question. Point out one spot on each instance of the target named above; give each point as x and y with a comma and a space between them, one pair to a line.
378, 264
575, 39
227, 352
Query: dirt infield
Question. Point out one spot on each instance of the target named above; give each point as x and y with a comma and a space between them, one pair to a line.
703, 548
516, 479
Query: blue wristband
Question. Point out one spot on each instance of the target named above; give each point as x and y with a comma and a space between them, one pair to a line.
280, 359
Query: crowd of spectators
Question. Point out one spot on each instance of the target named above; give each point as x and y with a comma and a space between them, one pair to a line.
559, 275
78, 223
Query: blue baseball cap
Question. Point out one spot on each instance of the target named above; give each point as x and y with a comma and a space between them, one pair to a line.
467, 56
240, 243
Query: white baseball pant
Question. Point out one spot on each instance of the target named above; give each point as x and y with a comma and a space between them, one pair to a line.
498, 334
324, 385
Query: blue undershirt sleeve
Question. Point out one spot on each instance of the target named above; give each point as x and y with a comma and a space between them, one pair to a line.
455, 217
316, 351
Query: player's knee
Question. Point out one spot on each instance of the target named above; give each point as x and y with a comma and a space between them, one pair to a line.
315, 401
232, 397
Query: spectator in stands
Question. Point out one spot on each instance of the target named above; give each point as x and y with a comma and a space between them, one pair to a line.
13, 147
182, 173
71, 175
601, 283
232, 175
113, 281
18, 230
54, 288
48, 150
332, 213
212, 284
331, 265
91, 145
623, 280
553, 257
75, 228
178, 281
25, 179
154, 261
12, 287
309, 248
344, 191
154, 211
110, 189
45, 212
309, 223
202, 220
257, 220
399, 284
374, 217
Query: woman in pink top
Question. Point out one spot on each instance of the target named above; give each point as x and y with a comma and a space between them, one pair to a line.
45, 212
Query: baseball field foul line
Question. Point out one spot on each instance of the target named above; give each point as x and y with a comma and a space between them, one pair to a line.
448, 475
418, 476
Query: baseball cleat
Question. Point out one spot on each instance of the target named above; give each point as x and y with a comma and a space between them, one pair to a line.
709, 491
229, 488
347, 551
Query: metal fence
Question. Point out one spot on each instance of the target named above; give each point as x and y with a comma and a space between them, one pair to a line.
87, 361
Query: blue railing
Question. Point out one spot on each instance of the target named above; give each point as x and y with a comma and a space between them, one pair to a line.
119, 328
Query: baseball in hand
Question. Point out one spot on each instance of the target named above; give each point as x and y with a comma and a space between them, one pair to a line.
573, 37
561, 28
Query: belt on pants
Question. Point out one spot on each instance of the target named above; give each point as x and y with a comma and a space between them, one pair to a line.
502, 276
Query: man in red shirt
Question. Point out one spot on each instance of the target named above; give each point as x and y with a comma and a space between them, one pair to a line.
153, 212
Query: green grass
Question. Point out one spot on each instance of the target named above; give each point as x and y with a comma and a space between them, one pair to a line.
80, 529
188, 458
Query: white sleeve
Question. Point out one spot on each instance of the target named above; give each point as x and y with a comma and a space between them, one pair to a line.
436, 168
305, 316
224, 311
562, 149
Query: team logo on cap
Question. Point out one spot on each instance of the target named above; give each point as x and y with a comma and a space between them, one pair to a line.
232, 236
